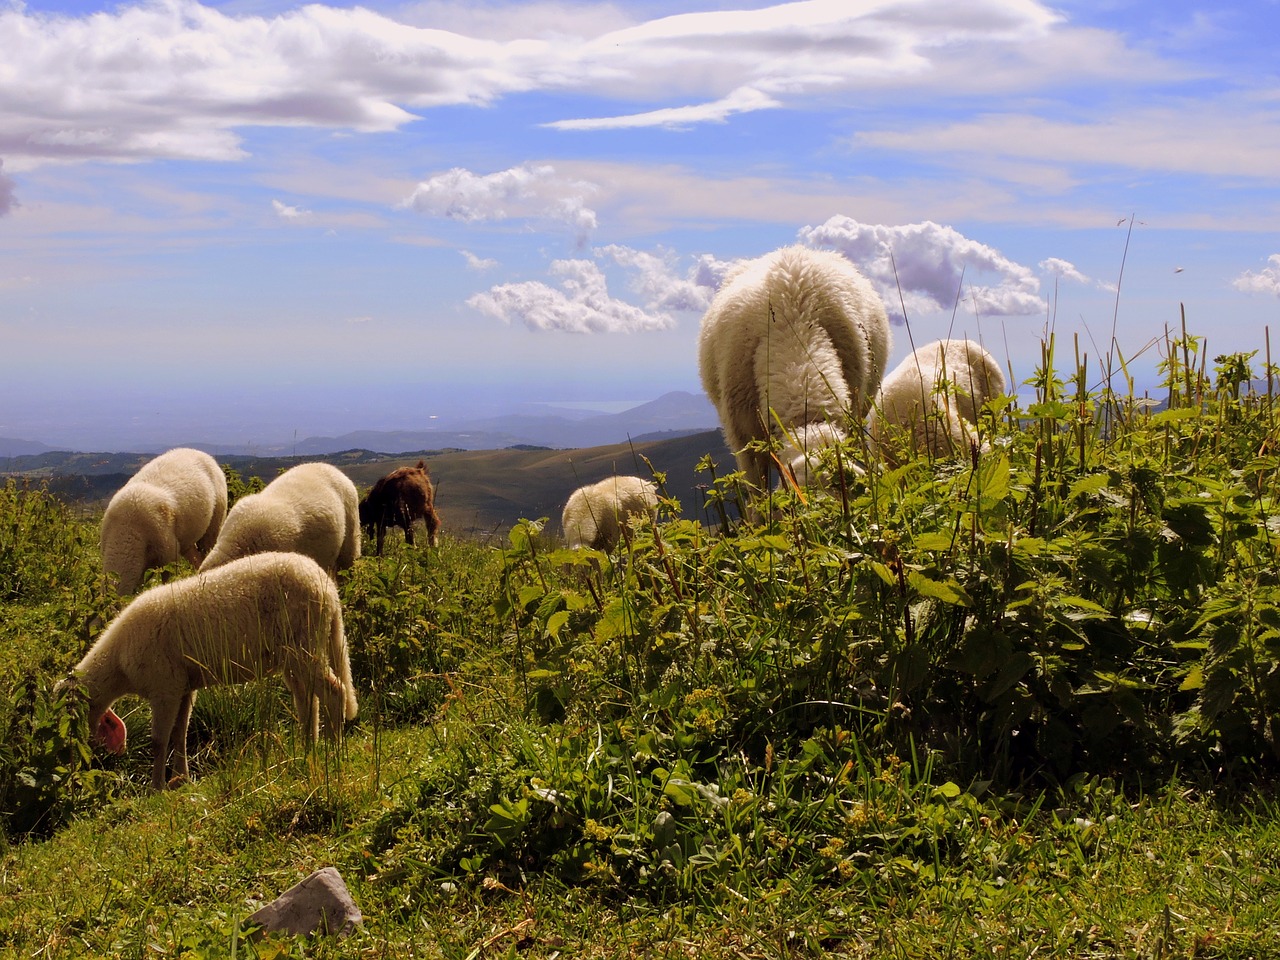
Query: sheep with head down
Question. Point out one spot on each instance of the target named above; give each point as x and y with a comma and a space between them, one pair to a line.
312, 509
174, 506
262, 614
793, 346
930, 402
594, 514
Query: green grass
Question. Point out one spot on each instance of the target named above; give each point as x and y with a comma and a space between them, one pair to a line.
1021, 705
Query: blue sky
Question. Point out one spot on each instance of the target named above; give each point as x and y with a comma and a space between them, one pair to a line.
243, 221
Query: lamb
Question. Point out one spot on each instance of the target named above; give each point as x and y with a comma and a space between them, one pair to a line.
401, 497
794, 338
594, 514
174, 506
932, 399
262, 614
311, 509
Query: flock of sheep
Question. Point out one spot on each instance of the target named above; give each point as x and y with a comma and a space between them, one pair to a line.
792, 351
263, 599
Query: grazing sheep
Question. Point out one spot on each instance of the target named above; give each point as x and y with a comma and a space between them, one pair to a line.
594, 514
401, 497
933, 397
174, 506
262, 614
312, 509
795, 337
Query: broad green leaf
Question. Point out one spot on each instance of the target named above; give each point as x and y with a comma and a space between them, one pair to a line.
884, 572
933, 541
947, 591
555, 622
1089, 484
1177, 413
1080, 603
1194, 679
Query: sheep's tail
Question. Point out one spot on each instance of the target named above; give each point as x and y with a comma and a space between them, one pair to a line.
340, 662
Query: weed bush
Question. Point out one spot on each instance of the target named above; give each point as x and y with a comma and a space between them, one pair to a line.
934, 694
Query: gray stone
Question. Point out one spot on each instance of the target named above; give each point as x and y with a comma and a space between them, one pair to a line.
319, 904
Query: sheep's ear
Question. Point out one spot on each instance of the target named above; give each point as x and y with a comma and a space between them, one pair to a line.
66, 686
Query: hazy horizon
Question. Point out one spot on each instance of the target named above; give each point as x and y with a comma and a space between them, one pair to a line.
252, 218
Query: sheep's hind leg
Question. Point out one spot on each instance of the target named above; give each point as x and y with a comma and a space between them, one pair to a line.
305, 704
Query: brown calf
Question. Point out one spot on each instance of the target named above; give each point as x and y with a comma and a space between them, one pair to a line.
401, 497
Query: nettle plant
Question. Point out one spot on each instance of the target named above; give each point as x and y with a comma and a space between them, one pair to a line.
1092, 590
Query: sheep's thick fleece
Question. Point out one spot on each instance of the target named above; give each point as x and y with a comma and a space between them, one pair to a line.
174, 506
266, 613
795, 337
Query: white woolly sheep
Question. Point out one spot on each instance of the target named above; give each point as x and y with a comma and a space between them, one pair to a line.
312, 509
793, 338
594, 514
267, 613
174, 506
932, 399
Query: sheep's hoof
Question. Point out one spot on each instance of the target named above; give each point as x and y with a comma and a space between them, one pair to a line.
176, 781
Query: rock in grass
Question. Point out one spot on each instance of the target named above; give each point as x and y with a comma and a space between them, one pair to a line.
320, 904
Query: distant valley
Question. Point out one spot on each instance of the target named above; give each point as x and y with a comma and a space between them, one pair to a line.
673, 414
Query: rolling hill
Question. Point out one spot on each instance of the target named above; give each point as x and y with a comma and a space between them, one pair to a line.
481, 493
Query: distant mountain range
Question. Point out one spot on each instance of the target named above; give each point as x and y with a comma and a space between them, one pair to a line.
673, 414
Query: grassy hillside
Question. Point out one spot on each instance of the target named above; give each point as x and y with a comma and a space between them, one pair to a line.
1018, 703
481, 493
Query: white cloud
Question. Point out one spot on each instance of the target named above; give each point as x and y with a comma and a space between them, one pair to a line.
286, 212
933, 265
477, 263
1063, 269
582, 302
178, 79
743, 100
661, 288
524, 192
1266, 280
8, 192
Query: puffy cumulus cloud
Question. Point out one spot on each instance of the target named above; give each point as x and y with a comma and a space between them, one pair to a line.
8, 192
524, 192
655, 278
1266, 280
176, 78
932, 265
286, 212
582, 302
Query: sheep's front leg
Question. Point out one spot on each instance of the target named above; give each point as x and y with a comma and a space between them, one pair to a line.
178, 741
164, 717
